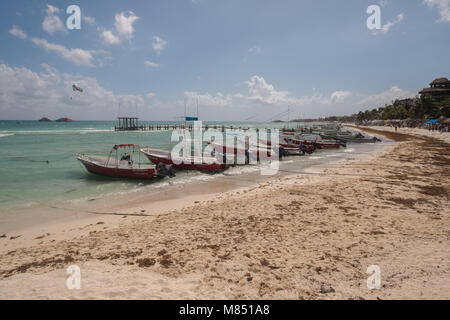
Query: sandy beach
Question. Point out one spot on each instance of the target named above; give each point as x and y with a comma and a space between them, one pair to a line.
305, 236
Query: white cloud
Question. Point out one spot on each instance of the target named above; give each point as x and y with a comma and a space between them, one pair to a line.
31, 95
88, 20
151, 64
52, 23
380, 99
340, 96
109, 37
388, 25
124, 28
207, 100
76, 56
51, 9
158, 45
443, 6
339, 102
16, 31
262, 92
255, 50
124, 24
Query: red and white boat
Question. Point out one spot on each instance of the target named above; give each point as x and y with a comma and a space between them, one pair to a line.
249, 151
204, 163
124, 167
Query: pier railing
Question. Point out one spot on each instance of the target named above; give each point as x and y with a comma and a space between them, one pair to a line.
161, 127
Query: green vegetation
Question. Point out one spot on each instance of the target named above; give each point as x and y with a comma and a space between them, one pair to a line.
413, 108
421, 109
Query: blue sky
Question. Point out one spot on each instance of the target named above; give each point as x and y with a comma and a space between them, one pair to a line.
244, 59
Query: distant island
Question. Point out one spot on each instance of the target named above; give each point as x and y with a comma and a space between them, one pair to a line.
45, 119
64, 120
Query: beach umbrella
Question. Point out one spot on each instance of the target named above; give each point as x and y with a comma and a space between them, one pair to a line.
433, 121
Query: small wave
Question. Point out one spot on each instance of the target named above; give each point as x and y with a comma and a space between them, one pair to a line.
349, 150
241, 169
2, 135
96, 130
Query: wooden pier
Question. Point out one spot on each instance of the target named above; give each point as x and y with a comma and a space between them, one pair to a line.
132, 124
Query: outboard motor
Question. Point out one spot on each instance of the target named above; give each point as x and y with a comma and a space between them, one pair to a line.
282, 153
164, 170
304, 149
247, 157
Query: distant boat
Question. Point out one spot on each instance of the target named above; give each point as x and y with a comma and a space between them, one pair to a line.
64, 120
45, 120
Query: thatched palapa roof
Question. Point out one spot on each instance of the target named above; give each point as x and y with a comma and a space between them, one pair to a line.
440, 81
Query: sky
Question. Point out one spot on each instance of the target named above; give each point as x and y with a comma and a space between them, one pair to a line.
239, 60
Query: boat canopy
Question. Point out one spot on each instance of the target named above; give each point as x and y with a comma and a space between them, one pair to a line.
118, 146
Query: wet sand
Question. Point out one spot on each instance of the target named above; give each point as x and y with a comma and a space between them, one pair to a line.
303, 236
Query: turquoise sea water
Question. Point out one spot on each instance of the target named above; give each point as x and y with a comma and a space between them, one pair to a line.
26, 146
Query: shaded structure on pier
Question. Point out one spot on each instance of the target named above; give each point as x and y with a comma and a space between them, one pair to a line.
127, 124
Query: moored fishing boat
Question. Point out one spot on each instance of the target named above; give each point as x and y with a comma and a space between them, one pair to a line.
317, 141
204, 163
291, 146
352, 138
249, 151
124, 167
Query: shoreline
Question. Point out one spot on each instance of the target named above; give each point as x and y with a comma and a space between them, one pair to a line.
165, 194
284, 239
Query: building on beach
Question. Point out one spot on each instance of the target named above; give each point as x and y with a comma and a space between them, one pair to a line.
439, 90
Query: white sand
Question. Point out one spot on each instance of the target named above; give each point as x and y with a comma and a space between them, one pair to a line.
291, 238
